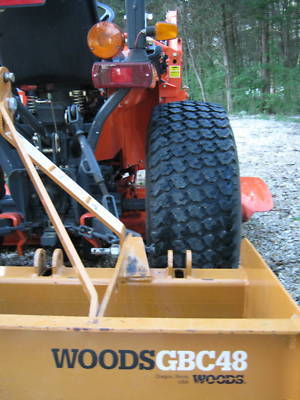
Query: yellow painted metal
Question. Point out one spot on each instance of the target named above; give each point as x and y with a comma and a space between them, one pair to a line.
210, 334
132, 265
29, 154
209, 310
46, 200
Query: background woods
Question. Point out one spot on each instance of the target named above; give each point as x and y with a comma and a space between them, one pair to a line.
244, 54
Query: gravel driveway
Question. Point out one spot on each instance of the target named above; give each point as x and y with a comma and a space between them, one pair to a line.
270, 150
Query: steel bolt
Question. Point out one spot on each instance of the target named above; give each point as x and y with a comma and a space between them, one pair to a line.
115, 250
9, 77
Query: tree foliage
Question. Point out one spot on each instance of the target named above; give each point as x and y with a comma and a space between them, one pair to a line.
247, 53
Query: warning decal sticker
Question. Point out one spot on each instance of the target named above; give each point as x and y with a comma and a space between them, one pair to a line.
174, 71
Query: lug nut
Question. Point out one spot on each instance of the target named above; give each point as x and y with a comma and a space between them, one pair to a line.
9, 77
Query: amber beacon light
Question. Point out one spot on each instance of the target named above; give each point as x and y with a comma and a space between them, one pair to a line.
105, 39
165, 31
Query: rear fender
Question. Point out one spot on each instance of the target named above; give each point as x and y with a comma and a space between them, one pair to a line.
256, 197
21, 3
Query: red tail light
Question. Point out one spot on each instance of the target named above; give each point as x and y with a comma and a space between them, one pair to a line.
115, 75
14, 3
122, 74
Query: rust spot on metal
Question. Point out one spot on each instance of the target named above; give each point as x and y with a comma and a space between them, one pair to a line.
132, 265
76, 329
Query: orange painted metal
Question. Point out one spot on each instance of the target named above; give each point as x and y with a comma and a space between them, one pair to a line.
170, 89
18, 238
256, 196
125, 131
84, 221
124, 135
135, 220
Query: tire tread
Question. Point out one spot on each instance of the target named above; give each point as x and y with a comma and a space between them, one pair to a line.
193, 195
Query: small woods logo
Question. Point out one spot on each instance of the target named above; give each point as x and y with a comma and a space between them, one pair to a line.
219, 379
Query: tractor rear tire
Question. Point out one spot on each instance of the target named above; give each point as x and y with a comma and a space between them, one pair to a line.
193, 187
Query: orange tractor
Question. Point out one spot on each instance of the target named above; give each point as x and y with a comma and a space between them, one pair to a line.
175, 317
105, 122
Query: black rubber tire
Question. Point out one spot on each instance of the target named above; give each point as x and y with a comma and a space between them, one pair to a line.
193, 187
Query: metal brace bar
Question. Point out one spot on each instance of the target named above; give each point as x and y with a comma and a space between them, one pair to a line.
59, 177
54, 218
30, 155
132, 265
